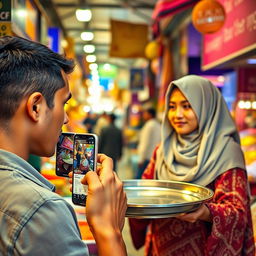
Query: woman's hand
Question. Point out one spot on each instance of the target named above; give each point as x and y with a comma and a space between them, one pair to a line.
202, 213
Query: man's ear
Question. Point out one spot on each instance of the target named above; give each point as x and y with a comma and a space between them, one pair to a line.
34, 105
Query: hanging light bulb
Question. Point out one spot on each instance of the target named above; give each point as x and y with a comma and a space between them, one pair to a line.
83, 15
93, 66
87, 36
89, 48
91, 58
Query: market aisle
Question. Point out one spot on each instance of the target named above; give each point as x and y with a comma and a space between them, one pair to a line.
125, 172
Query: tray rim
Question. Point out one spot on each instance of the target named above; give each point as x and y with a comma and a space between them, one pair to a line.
149, 206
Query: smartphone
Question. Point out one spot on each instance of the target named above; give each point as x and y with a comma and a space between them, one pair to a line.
85, 159
65, 154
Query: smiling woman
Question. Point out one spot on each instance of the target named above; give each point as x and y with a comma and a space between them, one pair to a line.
181, 116
199, 145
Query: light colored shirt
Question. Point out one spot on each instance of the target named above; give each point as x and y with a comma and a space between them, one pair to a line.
149, 137
33, 219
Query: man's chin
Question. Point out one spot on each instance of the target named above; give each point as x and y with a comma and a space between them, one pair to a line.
49, 154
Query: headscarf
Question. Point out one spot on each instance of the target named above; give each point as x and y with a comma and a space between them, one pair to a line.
211, 149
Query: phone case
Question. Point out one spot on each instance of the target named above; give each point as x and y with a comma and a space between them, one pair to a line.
65, 154
85, 159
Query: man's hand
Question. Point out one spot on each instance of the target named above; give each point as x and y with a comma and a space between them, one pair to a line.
202, 213
106, 206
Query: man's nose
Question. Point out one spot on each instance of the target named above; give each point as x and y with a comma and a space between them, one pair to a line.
66, 119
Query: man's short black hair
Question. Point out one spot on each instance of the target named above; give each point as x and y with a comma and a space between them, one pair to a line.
26, 67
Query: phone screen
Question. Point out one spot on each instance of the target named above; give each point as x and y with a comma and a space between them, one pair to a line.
65, 154
85, 159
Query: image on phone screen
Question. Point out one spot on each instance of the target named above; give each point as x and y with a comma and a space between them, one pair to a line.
85, 148
65, 154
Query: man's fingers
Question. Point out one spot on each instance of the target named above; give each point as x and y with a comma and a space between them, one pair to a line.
105, 161
91, 179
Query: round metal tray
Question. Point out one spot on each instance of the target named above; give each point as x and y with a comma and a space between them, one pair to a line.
163, 199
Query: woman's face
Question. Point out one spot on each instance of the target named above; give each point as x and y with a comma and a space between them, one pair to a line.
180, 114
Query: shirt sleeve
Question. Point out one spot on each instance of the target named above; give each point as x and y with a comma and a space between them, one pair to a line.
52, 230
230, 210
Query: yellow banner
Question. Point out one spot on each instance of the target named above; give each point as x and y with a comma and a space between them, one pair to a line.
128, 39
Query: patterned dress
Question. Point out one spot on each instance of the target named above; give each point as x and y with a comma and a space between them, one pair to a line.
229, 234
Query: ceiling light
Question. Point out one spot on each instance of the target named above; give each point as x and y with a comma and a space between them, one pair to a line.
93, 66
21, 13
95, 72
247, 104
89, 48
87, 36
87, 108
90, 58
107, 66
83, 14
251, 61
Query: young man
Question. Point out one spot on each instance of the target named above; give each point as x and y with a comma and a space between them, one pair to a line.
33, 219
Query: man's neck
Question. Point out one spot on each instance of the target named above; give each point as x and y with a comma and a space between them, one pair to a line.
14, 142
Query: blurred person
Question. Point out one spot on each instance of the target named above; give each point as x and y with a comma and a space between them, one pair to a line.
149, 137
200, 145
89, 122
101, 122
111, 140
34, 220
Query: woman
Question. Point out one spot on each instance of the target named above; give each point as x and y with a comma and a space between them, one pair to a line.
200, 144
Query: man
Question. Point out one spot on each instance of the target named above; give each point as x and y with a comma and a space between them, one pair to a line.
111, 140
33, 219
148, 139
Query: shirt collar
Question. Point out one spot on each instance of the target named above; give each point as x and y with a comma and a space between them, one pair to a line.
12, 162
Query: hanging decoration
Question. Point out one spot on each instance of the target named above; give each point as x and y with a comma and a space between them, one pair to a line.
154, 65
208, 16
152, 50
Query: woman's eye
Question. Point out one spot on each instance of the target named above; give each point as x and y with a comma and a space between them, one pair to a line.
187, 106
171, 107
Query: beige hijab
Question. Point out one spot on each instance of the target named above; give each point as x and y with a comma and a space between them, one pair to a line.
207, 152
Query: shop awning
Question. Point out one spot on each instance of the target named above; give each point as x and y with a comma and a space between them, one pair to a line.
166, 8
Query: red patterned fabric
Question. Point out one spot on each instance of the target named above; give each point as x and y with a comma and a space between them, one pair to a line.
230, 233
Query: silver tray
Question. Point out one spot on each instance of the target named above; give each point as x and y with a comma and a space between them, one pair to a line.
161, 199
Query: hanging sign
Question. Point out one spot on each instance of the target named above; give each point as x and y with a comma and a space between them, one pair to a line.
208, 16
5, 10
5, 18
5, 29
137, 78
236, 37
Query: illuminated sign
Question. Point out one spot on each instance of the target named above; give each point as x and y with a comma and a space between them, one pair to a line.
236, 37
5, 10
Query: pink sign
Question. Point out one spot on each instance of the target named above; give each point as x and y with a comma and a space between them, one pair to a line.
236, 37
